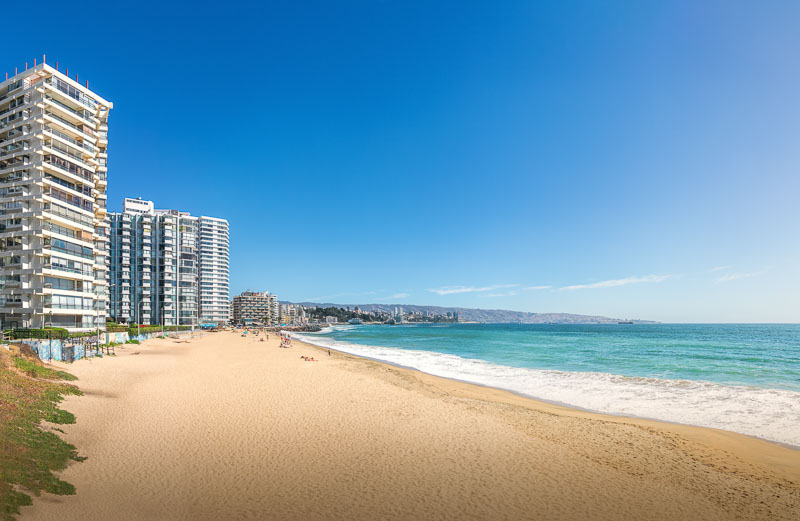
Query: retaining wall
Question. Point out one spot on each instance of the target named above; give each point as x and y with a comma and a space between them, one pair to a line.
69, 351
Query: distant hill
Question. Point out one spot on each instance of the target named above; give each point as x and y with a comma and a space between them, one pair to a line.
485, 315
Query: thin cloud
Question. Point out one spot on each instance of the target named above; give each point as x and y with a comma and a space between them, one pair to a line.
618, 282
450, 290
536, 288
736, 276
720, 268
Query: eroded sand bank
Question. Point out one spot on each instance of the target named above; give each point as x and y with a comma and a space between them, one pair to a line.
225, 427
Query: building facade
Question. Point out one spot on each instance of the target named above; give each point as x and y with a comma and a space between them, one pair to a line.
53, 178
214, 258
252, 308
155, 266
274, 309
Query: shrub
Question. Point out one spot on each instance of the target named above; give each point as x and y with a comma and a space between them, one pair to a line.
50, 332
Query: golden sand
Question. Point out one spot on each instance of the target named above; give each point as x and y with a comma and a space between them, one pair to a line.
225, 427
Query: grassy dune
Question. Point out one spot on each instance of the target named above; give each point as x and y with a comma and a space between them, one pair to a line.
29, 451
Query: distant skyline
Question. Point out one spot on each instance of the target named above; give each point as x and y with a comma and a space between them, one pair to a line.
617, 159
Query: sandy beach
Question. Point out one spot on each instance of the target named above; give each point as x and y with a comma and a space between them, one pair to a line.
223, 427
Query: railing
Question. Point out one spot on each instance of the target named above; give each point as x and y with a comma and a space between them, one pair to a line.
70, 214
83, 114
72, 234
84, 189
69, 306
12, 109
68, 151
71, 91
16, 147
70, 252
12, 178
85, 146
70, 199
65, 122
69, 167
66, 269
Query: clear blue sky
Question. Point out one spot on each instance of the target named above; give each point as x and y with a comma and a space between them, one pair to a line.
631, 159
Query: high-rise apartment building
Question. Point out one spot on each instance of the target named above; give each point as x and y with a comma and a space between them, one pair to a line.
274, 309
214, 252
156, 257
53, 237
153, 266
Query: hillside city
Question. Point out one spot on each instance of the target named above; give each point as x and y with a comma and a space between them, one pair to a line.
264, 309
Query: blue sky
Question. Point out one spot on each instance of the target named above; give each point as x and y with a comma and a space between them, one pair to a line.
631, 159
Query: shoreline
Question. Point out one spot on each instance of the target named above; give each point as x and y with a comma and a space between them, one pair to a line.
225, 427
763, 410
555, 403
732, 440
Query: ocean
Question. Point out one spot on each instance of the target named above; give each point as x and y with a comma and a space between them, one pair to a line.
742, 378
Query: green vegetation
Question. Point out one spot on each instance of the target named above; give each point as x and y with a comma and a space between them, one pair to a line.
342, 315
54, 333
29, 454
50, 332
35, 370
83, 334
111, 327
132, 341
133, 330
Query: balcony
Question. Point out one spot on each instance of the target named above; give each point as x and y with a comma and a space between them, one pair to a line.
82, 114
71, 91
69, 167
86, 146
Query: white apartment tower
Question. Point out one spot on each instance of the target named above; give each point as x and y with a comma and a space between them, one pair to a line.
53, 237
153, 266
168, 267
214, 254
274, 309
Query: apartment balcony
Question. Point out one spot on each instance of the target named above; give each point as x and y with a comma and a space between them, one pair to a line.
68, 138
57, 119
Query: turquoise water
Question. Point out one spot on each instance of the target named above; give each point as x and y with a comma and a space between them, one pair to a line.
761, 355
744, 378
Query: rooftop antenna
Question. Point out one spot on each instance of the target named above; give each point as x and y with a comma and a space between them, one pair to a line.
34, 62
43, 58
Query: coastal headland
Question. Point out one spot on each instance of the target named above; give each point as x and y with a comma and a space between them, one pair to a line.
230, 427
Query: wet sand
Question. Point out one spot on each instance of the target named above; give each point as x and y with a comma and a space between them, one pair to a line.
225, 427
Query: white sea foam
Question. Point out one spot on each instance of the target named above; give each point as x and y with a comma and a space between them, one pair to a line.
772, 414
